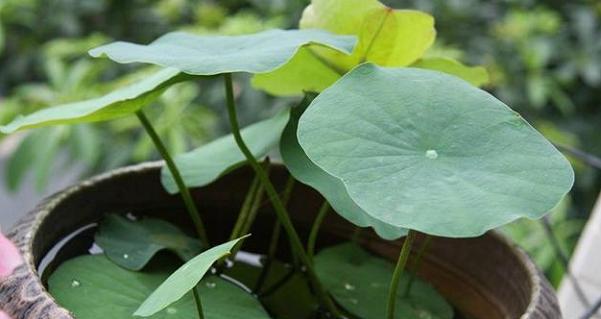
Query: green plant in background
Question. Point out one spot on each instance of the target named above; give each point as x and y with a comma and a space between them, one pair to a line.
531, 236
1, 29
533, 36
70, 78
73, 78
102, 149
394, 147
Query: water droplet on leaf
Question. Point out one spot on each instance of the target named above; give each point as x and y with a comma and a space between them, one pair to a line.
348, 286
423, 314
211, 284
171, 311
75, 283
432, 154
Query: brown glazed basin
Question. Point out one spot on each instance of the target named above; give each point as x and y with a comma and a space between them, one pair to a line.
484, 278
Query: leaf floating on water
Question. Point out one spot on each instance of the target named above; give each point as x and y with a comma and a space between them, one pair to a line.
359, 282
104, 290
132, 244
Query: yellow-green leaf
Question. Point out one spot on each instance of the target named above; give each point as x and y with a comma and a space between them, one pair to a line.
338, 16
476, 75
387, 37
305, 72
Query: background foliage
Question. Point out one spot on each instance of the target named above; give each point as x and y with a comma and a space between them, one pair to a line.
544, 58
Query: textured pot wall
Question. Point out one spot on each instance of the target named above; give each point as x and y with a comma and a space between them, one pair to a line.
485, 278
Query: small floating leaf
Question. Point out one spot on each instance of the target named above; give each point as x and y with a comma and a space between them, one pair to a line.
93, 287
206, 163
209, 55
359, 282
117, 104
184, 279
132, 244
427, 151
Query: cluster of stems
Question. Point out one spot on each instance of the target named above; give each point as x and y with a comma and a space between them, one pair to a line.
259, 186
280, 210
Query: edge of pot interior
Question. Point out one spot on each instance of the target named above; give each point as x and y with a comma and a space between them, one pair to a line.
24, 296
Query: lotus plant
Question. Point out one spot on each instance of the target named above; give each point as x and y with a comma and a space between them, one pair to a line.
394, 138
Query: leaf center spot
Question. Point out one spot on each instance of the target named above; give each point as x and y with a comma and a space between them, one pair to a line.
171, 311
432, 154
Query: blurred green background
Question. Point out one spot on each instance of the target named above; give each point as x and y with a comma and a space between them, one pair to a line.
544, 58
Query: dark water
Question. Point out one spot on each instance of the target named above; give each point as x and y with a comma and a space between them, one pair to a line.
274, 283
280, 287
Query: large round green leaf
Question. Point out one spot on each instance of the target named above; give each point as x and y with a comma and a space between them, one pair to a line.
427, 151
209, 55
359, 282
93, 287
132, 244
330, 187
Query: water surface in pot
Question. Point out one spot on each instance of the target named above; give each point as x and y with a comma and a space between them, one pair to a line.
275, 288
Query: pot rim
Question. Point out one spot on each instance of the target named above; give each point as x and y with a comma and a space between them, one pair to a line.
25, 231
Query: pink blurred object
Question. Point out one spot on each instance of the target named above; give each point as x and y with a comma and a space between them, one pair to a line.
3, 315
10, 259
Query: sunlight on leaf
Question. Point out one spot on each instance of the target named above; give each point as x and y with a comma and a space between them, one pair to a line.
387, 37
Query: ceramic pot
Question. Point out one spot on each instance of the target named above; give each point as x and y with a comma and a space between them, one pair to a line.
483, 278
